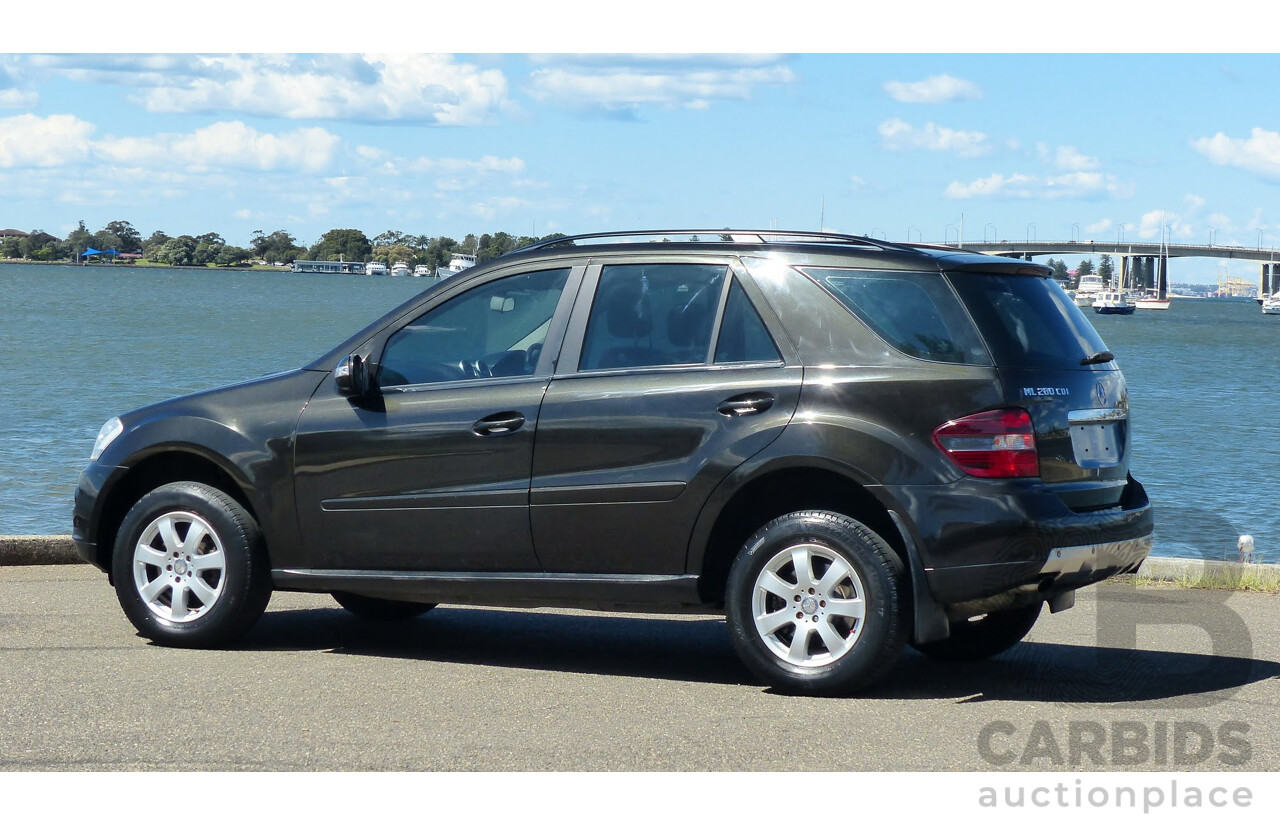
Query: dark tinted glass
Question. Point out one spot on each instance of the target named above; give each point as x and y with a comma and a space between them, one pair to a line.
743, 336
1028, 321
915, 312
645, 316
492, 331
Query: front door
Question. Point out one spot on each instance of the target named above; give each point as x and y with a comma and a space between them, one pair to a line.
434, 476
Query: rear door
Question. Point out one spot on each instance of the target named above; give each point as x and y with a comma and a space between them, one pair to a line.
1054, 364
669, 379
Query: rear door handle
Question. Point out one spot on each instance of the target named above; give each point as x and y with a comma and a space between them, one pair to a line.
745, 404
498, 423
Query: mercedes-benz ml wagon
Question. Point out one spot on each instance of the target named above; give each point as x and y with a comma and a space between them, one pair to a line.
844, 445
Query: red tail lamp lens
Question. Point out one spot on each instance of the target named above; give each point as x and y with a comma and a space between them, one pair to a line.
994, 444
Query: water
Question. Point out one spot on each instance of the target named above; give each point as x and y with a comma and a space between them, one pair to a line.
84, 343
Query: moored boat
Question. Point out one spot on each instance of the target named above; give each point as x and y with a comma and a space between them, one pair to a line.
1271, 304
457, 263
421, 271
400, 269
375, 268
1152, 300
1114, 303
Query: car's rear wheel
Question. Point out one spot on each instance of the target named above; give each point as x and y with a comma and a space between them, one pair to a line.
982, 637
815, 603
381, 610
190, 566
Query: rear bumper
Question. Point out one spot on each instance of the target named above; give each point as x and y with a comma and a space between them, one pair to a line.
1020, 539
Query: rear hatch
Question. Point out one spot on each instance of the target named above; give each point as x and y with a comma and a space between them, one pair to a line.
1053, 364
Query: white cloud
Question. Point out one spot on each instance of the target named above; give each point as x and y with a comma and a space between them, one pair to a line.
1099, 226
61, 140
458, 166
1073, 160
29, 140
691, 83
1073, 185
18, 99
428, 88
899, 135
941, 88
1259, 153
227, 145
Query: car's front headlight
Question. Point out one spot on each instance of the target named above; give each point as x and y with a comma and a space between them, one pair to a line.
106, 435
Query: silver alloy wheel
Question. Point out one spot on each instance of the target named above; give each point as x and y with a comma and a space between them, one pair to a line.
179, 567
809, 605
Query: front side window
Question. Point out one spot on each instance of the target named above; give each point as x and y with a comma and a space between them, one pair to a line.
495, 330
914, 312
648, 315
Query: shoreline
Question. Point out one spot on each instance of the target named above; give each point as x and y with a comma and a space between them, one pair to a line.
18, 551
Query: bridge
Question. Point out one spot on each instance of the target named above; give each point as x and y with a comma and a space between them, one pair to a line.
1268, 259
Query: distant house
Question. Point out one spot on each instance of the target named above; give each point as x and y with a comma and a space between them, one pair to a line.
12, 233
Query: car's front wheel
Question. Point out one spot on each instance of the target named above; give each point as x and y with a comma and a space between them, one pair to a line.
816, 603
190, 566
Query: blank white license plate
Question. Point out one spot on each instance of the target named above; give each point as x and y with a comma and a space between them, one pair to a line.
1098, 445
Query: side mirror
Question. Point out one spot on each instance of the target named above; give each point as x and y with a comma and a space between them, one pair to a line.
352, 377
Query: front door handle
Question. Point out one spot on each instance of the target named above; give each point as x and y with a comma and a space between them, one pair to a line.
746, 404
498, 423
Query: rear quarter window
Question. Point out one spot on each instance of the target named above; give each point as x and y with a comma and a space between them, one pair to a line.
1028, 321
915, 312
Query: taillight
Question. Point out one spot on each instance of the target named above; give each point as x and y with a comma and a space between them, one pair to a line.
993, 444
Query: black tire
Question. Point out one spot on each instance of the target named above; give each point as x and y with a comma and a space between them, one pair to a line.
849, 652
190, 566
973, 640
381, 610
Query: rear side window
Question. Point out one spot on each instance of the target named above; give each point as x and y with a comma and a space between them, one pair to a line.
1028, 321
743, 336
652, 315
915, 312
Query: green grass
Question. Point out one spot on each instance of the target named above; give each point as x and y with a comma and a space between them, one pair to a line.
1246, 580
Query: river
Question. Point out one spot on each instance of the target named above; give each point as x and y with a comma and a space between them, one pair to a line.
85, 343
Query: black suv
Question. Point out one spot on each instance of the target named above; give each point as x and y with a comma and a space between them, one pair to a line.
846, 445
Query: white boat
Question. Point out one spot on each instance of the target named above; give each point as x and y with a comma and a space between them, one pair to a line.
457, 263
1271, 304
375, 268
1112, 302
1152, 300
1088, 290
421, 271
401, 268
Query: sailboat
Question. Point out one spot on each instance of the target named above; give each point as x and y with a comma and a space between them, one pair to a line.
1150, 298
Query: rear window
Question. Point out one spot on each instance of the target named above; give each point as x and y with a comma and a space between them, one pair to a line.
1028, 321
915, 312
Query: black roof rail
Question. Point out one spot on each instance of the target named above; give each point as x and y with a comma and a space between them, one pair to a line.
757, 236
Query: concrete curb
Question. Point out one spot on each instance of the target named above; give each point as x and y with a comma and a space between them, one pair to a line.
16, 550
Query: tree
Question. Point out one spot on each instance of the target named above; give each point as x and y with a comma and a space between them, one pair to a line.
231, 255
177, 251
151, 246
12, 247
1106, 270
79, 240
344, 244
129, 239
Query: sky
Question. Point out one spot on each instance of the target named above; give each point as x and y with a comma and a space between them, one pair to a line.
934, 146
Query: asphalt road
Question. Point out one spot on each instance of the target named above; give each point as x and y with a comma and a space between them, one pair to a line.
1118, 682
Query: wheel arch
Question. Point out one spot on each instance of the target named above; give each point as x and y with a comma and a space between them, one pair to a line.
159, 468
775, 490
